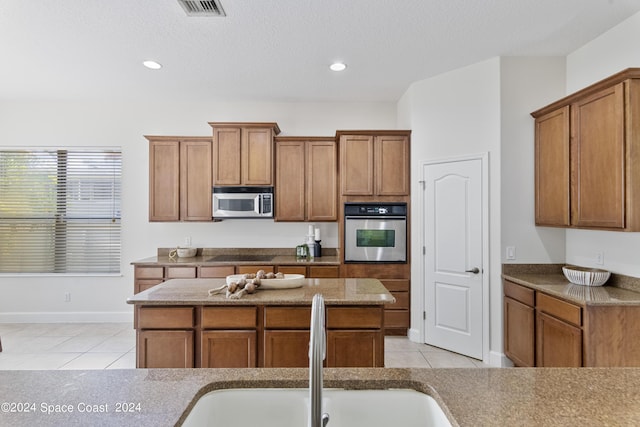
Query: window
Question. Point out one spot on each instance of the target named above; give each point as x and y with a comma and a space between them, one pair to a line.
60, 211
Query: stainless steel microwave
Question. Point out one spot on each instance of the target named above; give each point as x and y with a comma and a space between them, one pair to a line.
242, 202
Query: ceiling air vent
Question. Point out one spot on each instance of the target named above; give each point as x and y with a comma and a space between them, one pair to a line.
202, 8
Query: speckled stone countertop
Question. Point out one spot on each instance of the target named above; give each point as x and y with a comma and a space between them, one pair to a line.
548, 278
339, 291
469, 397
204, 256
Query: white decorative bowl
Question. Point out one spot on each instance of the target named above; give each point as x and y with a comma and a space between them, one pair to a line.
585, 276
186, 252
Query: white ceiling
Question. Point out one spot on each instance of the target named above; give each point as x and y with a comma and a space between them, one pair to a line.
275, 50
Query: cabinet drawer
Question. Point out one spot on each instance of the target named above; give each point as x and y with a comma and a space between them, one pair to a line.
229, 317
252, 269
149, 272
354, 317
328, 271
287, 317
396, 319
292, 269
216, 271
519, 293
396, 284
165, 317
144, 284
402, 301
559, 309
181, 272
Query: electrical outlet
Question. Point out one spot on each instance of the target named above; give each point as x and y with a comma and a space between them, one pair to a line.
67, 297
599, 258
511, 253
187, 241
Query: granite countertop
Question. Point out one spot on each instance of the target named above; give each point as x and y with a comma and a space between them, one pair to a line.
619, 290
470, 397
338, 291
205, 257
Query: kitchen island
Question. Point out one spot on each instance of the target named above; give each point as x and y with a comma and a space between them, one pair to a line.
470, 397
179, 325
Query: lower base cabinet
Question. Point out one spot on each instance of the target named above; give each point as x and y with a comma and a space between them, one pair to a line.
255, 336
542, 330
165, 349
558, 344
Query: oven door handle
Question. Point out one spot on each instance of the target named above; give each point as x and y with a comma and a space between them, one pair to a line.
404, 218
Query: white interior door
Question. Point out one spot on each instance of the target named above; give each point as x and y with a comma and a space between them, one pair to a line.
453, 261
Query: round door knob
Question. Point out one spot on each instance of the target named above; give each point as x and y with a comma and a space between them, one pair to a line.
474, 270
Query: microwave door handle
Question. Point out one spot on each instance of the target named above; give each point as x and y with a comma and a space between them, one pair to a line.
259, 204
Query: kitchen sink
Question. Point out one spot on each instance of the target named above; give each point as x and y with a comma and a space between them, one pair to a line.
284, 407
239, 257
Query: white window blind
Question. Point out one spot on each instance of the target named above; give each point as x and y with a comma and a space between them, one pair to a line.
60, 211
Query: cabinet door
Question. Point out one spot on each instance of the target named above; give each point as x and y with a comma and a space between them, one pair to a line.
257, 156
322, 181
324, 271
226, 156
165, 349
286, 349
228, 349
164, 180
290, 181
558, 344
598, 160
195, 179
356, 165
355, 348
552, 169
392, 165
519, 332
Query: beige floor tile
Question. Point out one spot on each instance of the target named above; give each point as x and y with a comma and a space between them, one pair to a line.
92, 361
448, 360
80, 344
115, 344
405, 359
41, 361
30, 344
127, 361
400, 344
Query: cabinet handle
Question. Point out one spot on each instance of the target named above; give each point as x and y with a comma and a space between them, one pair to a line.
474, 270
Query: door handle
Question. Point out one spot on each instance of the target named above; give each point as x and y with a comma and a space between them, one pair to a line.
474, 270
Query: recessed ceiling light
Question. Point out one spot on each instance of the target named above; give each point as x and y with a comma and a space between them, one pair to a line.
152, 65
337, 66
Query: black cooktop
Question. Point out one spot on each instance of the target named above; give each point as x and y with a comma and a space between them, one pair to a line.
240, 257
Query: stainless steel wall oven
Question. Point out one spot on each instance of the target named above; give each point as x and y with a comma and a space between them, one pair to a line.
375, 232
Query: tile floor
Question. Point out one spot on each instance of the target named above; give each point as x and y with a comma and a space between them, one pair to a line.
33, 346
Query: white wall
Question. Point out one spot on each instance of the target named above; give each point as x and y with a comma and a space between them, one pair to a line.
613, 51
527, 84
50, 123
451, 115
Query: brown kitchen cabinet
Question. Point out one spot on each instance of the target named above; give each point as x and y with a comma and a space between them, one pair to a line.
306, 179
243, 153
179, 173
519, 324
552, 200
164, 337
315, 271
374, 163
395, 277
228, 337
286, 336
587, 151
546, 331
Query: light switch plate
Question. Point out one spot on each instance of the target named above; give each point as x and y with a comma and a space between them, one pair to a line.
511, 253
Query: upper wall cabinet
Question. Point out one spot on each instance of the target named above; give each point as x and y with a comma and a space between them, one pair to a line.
243, 153
374, 163
587, 154
179, 178
306, 179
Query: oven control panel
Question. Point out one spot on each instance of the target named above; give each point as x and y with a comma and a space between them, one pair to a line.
375, 209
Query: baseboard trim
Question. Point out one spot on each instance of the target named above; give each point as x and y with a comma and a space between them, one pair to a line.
498, 359
68, 317
414, 335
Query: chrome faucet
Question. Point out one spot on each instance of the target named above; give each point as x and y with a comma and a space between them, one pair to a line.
317, 353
